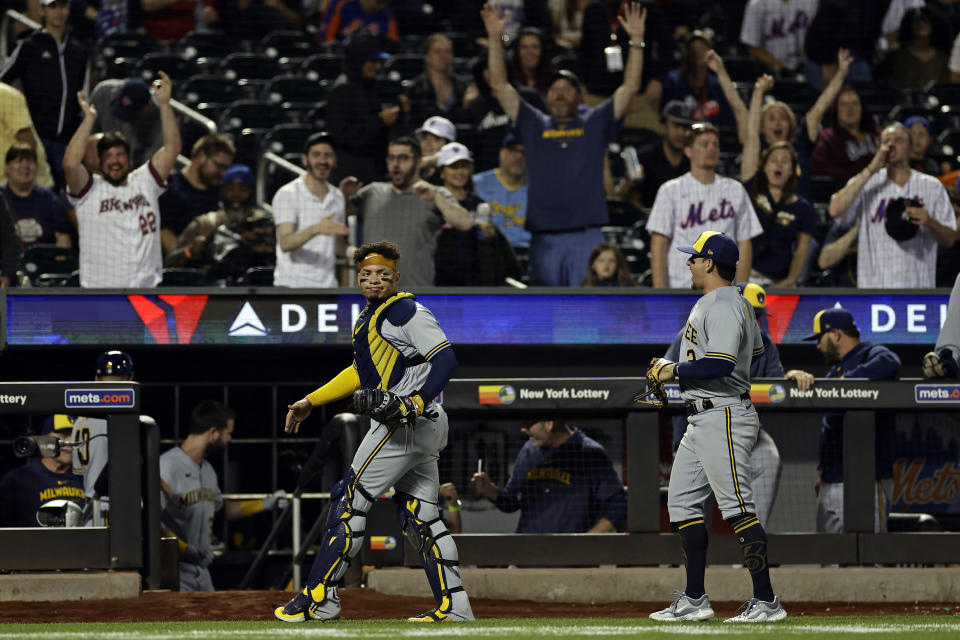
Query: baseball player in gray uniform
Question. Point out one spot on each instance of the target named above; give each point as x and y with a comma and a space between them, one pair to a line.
191, 496
719, 342
400, 352
942, 361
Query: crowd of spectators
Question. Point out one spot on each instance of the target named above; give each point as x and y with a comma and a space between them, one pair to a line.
515, 140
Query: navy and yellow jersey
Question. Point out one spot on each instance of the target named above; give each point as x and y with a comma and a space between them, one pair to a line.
393, 344
195, 497
720, 326
25, 489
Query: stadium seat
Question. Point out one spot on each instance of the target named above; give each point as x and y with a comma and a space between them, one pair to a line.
464, 45
793, 91
208, 44
903, 111
322, 66
257, 277
185, 277
403, 66
209, 89
288, 44
316, 117
822, 189
744, 68
638, 138
287, 138
48, 259
256, 114
131, 45
58, 279
295, 92
174, 65
249, 66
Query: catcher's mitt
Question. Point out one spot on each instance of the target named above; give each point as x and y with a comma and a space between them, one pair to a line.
653, 387
385, 407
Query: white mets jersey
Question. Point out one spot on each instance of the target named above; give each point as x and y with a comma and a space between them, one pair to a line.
195, 497
312, 264
685, 207
721, 325
883, 262
119, 229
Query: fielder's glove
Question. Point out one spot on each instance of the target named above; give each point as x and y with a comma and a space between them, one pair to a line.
654, 387
386, 407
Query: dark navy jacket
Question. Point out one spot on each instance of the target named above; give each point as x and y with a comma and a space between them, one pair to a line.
874, 362
24, 489
566, 489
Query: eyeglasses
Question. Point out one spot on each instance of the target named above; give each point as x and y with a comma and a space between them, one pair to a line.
223, 166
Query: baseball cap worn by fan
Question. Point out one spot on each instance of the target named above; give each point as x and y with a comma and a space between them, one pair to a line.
830, 319
678, 111
440, 127
133, 97
567, 75
717, 246
453, 152
239, 174
755, 295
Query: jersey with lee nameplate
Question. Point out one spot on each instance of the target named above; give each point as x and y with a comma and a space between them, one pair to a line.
721, 325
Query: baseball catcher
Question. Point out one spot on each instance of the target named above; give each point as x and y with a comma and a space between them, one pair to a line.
388, 408
654, 386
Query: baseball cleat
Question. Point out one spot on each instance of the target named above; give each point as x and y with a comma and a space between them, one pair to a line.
303, 607
435, 615
759, 611
685, 609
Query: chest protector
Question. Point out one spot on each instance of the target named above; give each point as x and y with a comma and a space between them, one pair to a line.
376, 359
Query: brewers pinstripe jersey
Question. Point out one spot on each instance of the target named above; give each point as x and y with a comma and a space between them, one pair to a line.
119, 229
721, 325
90, 458
195, 497
685, 208
883, 262
313, 264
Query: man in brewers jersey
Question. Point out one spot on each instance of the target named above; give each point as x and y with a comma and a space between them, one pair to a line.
882, 261
399, 347
720, 339
698, 200
118, 213
191, 496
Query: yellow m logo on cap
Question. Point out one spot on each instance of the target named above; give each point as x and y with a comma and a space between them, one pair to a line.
702, 240
816, 322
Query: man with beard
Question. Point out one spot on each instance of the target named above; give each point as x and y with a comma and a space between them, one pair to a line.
565, 150
237, 206
191, 495
118, 212
407, 210
195, 189
838, 339
310, 215
402, 361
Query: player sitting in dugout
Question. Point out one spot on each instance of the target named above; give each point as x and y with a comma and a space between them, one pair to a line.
562, 482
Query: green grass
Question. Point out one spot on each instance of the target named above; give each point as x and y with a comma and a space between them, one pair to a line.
914, 627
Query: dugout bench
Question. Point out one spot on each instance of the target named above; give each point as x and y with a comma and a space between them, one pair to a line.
131, 541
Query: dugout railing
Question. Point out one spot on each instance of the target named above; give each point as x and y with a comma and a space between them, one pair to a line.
131, 540
645, 544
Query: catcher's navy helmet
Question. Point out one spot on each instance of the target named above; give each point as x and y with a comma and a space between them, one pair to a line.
114, 363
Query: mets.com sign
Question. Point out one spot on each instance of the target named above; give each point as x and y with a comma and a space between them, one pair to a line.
937, 393
87, 398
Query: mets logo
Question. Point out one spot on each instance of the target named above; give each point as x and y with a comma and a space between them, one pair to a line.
86, 398
496, 394
936, 393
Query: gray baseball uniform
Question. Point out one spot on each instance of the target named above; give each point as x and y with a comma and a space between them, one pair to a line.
195, 498
715, 450
949, 337
90, 458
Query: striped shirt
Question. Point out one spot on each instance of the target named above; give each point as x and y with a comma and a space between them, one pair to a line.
883, 262
685, 208
119, 229
312, 264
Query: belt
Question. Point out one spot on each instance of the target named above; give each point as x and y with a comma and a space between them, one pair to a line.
693, 407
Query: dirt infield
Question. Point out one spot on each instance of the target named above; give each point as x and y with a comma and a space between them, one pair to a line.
364, 604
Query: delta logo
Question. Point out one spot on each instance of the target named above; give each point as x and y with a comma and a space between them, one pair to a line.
936, 393
767, 393
496, 394
86, 398
383, 543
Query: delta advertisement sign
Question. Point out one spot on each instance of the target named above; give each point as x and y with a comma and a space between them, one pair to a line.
288, 317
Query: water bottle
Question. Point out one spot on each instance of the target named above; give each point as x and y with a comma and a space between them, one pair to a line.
632, 164
483, 213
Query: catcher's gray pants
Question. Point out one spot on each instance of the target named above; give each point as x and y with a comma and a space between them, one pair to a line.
405, 458
193, 577
714, 454
950, 332
830, 506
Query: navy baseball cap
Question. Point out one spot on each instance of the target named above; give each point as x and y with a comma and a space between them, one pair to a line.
57, 422
569, 76
717, 246
912, 120
830, 319
239, 174
755, 295
114, 363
